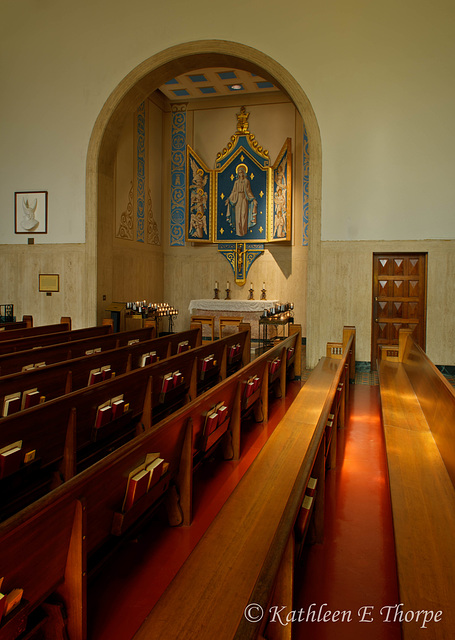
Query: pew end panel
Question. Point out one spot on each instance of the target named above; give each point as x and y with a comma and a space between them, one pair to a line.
52, 533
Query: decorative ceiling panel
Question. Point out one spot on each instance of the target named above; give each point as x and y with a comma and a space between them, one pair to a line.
214, 82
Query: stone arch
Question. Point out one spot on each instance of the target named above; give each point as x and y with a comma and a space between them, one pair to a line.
138, 85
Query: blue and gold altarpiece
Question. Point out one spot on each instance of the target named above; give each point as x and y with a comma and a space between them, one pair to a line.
244, 202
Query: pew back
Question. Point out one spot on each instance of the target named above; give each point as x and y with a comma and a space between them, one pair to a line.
57, 379
16, 361
42, 340
29, 332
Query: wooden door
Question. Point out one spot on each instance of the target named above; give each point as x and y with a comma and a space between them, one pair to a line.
399, 299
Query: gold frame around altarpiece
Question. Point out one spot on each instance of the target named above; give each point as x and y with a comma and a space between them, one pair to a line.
190, 153
285, 150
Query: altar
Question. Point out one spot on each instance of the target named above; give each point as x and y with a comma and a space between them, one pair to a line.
250, 310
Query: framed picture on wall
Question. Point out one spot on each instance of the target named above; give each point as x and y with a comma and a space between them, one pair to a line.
49, 282
30, 212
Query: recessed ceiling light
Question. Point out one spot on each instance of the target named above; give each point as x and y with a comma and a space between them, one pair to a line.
236, 87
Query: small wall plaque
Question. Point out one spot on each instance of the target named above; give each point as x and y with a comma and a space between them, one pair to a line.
49, 282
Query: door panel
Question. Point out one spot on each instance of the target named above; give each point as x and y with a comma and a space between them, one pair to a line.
399, 299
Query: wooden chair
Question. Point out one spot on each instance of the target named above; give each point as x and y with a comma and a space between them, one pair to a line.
207, 320
229, 321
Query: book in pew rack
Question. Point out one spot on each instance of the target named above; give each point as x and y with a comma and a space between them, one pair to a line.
103, 415
10, 458
110, 410
142, 478
183, 346
148, 358
12, 403
30, 398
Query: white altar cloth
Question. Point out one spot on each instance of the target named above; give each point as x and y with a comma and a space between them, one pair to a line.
250, 310
252, 306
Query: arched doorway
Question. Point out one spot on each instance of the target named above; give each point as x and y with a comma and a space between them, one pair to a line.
139, 84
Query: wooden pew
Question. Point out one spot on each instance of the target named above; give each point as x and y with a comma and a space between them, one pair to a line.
55, 380
62, 433
418, 414
42, 340
12, 326
246, 555
91, 501
63, 436
29, 332
17, 361
60, 530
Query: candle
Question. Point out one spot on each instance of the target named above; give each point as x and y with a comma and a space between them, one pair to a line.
216, 284
227, 284
251, 285
263, 285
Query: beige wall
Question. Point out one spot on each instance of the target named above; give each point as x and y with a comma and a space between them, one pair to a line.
347, 278
378, 77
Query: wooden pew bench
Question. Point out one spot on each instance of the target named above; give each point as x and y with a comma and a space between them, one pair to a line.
59, 438
33, 357
44, 549
247, 554
55, 380
91, 506
12, 326
91, 501
42, 340
418, 415
28, 332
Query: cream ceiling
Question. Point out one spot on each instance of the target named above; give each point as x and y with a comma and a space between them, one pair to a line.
213, 82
